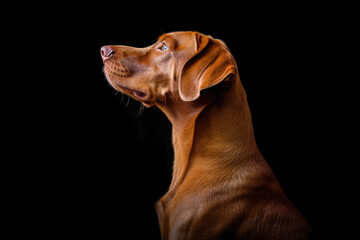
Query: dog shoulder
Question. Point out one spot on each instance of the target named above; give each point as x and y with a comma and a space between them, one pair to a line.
277, 220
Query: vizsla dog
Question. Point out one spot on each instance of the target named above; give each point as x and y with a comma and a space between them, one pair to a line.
222, 187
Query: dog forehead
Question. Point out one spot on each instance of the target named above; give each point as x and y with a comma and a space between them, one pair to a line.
183, 37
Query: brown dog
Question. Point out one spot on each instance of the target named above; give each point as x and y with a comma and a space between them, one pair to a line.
222, 187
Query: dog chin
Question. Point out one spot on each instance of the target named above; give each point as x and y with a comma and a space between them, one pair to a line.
147, 103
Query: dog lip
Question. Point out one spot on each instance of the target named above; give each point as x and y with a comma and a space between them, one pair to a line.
137, 93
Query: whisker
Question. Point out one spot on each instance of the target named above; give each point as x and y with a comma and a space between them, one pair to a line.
141, 110
122, 97
127, 104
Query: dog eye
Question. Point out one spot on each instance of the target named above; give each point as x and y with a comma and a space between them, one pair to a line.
164, 47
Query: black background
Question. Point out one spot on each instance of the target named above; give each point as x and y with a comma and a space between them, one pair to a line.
95, 164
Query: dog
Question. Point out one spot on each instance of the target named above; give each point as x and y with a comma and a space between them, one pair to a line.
221, 187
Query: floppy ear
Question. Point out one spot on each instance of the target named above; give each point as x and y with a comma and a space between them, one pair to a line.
211, 64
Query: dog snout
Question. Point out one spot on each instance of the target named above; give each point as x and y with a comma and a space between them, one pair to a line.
106, 52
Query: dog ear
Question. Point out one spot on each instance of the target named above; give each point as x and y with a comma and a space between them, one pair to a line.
211, 64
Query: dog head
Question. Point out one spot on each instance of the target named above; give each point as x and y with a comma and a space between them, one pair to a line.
179, 64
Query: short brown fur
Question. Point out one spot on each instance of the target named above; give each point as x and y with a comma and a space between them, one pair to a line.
222, 187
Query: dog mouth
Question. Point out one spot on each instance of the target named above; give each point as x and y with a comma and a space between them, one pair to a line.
110, 74
136, 93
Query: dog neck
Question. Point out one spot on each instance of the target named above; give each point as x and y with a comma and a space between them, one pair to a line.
212, 136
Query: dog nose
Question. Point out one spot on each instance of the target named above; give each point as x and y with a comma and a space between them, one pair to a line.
106, 52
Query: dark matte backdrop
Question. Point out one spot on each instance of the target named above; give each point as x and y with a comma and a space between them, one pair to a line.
100, 163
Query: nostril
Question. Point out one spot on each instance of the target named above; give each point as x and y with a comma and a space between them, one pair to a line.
110, 53
106, 52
